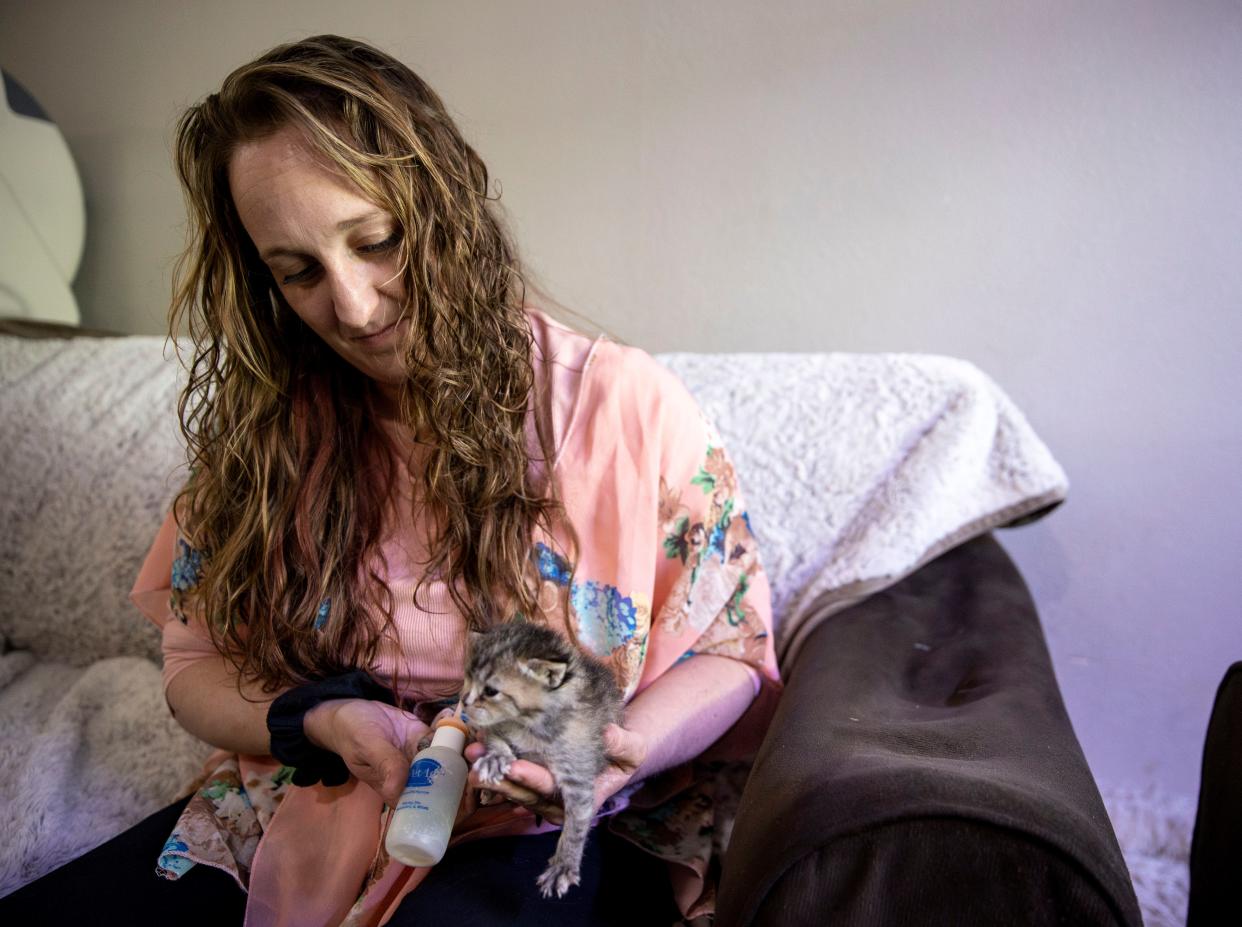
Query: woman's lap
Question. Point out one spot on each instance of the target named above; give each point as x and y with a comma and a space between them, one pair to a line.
492, 882
478, 884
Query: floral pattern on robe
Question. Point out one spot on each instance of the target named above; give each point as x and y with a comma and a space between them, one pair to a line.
613, 627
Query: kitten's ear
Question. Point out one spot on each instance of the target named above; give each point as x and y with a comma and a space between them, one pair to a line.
549, 672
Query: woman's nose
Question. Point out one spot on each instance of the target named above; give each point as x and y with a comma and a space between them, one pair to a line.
356, 298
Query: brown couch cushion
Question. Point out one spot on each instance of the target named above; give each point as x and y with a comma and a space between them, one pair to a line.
922, 769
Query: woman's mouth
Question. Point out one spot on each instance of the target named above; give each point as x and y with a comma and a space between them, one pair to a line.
381, 338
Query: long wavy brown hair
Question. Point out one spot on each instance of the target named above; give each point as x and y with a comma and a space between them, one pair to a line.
290, 477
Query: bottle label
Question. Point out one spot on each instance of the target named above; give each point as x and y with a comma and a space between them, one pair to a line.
423, 772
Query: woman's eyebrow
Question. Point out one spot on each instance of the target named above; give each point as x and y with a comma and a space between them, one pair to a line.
346, 224
343, 226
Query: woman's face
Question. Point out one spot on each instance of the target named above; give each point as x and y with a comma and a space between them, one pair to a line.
332, 253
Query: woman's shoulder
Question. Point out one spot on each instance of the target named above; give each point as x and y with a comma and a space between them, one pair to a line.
610, 363
632, 382
561, 357
628, 399
558, 345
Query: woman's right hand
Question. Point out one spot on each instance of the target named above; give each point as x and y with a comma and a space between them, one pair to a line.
376, 741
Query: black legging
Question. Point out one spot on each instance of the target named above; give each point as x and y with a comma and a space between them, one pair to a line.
478, 884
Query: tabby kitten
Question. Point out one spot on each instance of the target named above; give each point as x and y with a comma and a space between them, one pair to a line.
534, 696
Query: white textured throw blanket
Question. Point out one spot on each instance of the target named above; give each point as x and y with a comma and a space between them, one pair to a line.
856, 469
859, 468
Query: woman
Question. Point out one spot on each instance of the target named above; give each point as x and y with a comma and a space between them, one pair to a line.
389, 447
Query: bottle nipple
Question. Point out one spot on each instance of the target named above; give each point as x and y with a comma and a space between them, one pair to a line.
451, 733
451, 722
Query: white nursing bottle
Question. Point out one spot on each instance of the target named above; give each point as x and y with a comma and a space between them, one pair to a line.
420, 827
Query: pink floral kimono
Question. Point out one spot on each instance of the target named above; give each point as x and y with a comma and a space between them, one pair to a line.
668, 568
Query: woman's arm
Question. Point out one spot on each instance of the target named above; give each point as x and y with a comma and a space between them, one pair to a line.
205, 701
673, 720
376, 741
687, 710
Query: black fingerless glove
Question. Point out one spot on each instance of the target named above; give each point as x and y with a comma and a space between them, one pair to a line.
290, 744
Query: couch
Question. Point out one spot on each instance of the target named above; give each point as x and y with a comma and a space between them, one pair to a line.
921, 767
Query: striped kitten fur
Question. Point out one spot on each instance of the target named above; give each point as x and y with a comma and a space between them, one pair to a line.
533, 695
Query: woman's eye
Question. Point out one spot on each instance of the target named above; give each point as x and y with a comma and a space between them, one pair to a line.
490, 692
385, 245
300, 277
304, 275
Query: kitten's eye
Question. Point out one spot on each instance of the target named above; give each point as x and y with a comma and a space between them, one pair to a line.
490, 692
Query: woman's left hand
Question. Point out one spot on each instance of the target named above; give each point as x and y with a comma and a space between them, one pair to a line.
534, 787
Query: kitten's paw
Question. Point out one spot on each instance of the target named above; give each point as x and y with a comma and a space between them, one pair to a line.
492, 767
557, 878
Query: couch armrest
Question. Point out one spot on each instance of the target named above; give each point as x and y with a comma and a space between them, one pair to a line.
921, 768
